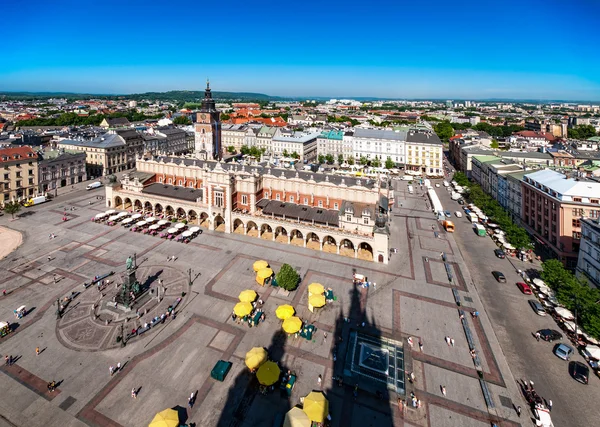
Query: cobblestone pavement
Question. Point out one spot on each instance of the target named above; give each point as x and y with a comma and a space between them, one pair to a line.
413, 297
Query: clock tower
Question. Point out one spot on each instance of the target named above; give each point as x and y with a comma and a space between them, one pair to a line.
207, 136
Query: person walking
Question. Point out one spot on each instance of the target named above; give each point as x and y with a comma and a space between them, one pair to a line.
319, 379
6, 360
118, 366
420, 346
447, 338
134, 393
324, 337
519, 411
550, 404
111, 369
443, 389
37, 351
537, 336
452, 342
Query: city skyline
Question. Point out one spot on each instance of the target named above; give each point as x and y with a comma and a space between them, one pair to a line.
464, 51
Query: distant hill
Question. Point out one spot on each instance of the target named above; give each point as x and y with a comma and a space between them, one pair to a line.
174, 95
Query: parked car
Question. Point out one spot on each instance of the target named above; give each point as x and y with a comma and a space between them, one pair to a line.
537, 307
563, 351
437, 185
500, 253
579, 372
447, 213
461, 201
499, 276
458, 214
524, 287
550, 335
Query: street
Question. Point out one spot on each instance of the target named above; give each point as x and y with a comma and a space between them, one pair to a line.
514, 323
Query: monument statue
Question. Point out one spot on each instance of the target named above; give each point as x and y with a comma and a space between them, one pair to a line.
131, 288
129, 263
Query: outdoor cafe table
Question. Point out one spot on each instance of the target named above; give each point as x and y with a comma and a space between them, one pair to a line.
123, 214
179, 225
194, 229
110, 212
140, 223
154, 227
187, 233
150, 220
127, 221
162, 222
307, 332
172, 230
113, 218
136, 216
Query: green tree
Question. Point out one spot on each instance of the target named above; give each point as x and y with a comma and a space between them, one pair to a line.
231, 149
321, 159
364, 161
12, 208
350, 161
494, 144
461, 179
329, 159
295, 155
225, 117
376, 163
244, 150
287, 278
444, 130
340, 159
582, 132
389, 163
285, 153
182, 120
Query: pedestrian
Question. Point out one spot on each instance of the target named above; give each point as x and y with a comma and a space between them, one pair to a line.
134, 393
319, 379
519, 411
37, 351
168, 258
6, 360
374, 285
191, 400
452, 342
173, 258
473, 354
4, 292
447, 340
531, 384
412, 377
443, 388
550, 405
118, 366
324, 337
410, 341
111, 369
537, 336
420, 346
49, 258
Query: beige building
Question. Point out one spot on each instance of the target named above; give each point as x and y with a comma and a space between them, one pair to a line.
234, 136
105, 155
424, 153
345, 216
19, 173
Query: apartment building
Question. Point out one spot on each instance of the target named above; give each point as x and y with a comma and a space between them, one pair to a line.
552, 208
424, 153
19, 173
302, 143
105, 155
588, 263
234, 136
336, 143
264, 138
379, 144
60, 168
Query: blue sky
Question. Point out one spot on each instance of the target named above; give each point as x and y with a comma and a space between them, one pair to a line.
534, 49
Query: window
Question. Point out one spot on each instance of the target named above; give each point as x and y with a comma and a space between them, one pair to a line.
577, 199
366, 220
577, 235
576, 223
277, 196
335, 206
219, 199
320, 203
244, 199
595, 201
349, 218
305, 201
6, 177
18, 174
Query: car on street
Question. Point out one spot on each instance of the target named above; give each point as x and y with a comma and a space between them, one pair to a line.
458, 214
524, 287
447, 213
563, 351
550, 335
579, 372
437, 185
537, 307
461, 201
500, 253
499, 276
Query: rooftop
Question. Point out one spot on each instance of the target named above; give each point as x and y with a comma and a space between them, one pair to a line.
380, 134
299, 212
108, 140
564, 188
173, 192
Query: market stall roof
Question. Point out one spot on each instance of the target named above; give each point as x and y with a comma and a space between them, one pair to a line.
538, 282
564, 313
122, 214
127, 221
136, 216
172, 230
299, 212
571, 327
194, 229
110, 212
594, 351
187, 233
100, 215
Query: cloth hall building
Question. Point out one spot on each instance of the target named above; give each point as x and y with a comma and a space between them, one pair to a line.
339, 215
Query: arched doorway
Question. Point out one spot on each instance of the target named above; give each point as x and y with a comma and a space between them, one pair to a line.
158, 209
266, 232
365, 251
148, 208
192, 216
281, 235
252, 229
203, 222
137, 205
313, 241
127, 203
329, 245
380, 258
118, 203
238, 226
347, 248
296, 238
169, 211
181, 214
219, 223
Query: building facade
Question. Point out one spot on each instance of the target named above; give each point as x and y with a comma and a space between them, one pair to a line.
208, 128
345, 216
105, 155
19, 174
175, 140
301, 143
234, 136
552, 208
335, 143
588, 263
377, 144
60, 168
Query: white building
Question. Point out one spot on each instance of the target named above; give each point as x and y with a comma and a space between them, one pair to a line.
588, 263
302, 143
335, 143
379, 144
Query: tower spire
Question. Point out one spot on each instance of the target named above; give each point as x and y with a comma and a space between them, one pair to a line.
207, 83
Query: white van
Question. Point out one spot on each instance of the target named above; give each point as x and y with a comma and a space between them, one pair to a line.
93, 185
407, 178
410, 189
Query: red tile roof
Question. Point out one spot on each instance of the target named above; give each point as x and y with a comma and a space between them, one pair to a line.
17, 153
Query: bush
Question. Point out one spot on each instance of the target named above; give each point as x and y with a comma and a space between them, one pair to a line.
287, 278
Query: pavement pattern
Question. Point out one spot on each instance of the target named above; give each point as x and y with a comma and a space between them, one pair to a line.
412, 298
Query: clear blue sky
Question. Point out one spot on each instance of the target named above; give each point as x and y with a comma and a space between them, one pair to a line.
536, 49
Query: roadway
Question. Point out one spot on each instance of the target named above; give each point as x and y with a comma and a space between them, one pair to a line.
514, 321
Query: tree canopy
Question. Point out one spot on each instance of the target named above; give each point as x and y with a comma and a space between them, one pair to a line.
74, 119
444, 130
182, 120
287, 278
582, 132
498, 131
12, 208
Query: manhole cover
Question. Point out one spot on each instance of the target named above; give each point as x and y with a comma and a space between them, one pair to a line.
505, 401
468, 299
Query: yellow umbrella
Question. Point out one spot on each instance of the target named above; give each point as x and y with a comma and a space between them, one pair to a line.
316, 288
317, 300
284, 311
263, 275
316, 406
242, 309
248, 295
166, 418
292, 325
256, 357
296, 418
268, 373
259, 265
